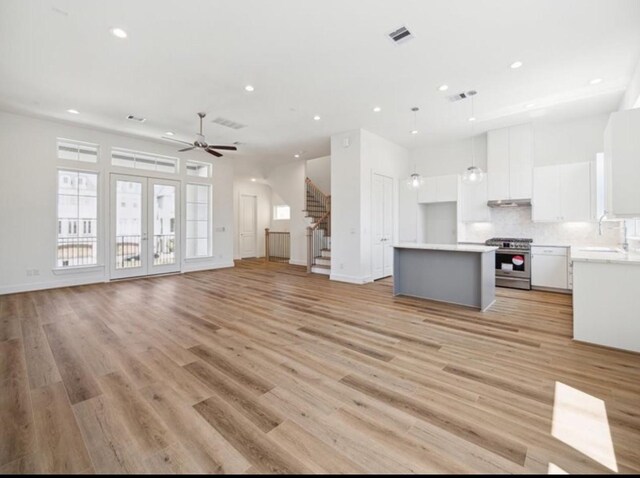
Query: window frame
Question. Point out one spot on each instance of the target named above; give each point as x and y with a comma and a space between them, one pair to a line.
202, 163
142, 171
275, 210
77, 143
210, 253
58, 269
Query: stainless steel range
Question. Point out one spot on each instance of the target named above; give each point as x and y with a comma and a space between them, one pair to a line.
513, 262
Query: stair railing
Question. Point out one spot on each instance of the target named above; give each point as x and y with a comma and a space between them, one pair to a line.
316, 202
277, 246
317, 238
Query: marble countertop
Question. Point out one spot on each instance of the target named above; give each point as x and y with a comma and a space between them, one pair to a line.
579, 254
445, 247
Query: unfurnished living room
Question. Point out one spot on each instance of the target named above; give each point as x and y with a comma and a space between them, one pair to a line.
332, 237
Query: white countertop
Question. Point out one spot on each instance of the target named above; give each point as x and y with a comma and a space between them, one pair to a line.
606, 257
444, 247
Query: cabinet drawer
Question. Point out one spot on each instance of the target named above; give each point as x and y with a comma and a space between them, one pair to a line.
549, 251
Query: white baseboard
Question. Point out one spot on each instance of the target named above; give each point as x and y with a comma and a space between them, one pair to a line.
295, 262
205, 267
350, 279
15, 289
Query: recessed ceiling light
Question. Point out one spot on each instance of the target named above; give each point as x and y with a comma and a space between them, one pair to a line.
296, 155
168, 133
377, 109
530, 105
595, 81
118, 32
414, 131
516, 64
472, 118
73, 112
443, 87
316, 118
253, 180
249, 88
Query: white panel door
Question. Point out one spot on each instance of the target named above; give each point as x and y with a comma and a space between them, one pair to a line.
145, 224
498, 163
520, 161
575, 191
381, 226
248, 234
546, 194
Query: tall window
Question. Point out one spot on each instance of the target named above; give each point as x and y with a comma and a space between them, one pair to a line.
198, 220
77, 203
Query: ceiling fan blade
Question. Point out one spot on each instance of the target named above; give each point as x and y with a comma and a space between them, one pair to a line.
186, 149
228, 148
177, 140
215, 153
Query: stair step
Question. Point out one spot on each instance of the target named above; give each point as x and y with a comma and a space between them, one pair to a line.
322, 261
325, 253
321, 270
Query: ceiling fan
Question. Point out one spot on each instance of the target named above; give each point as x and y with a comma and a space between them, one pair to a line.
200, 142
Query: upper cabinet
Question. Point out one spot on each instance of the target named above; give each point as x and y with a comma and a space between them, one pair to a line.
439, 189
563, 192
622, 163
510, 162
472, 206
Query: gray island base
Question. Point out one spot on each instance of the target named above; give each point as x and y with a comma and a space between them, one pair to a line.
457, 274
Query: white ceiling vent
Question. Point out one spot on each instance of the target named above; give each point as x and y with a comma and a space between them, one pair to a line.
228, 123
136, 118
462, 96
401, 35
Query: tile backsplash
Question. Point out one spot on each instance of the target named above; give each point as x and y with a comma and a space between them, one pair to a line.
516, 222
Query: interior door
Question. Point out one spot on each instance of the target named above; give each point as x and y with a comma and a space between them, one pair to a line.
248, 235
129, 244
381, 226
145, 224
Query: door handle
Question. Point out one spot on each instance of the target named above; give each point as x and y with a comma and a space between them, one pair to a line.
144, 236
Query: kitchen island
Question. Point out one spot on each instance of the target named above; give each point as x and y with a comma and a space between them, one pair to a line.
462, 274
606, 298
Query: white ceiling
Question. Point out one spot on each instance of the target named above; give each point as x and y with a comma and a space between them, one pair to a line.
329, 57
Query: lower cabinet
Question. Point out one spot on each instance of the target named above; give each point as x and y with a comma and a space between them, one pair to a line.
550, 267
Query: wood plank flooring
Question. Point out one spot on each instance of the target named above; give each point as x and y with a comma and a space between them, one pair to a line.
265, 369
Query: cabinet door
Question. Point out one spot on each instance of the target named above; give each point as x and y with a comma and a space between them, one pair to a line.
473, 203
428, 191
520, 161
447, 188
546, 194
549, 271
498, 163
575, 191
624, 152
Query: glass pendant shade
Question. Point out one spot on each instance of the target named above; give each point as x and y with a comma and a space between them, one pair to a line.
473, 175
415, 181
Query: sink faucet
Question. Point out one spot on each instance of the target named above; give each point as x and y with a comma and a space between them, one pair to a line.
604, 214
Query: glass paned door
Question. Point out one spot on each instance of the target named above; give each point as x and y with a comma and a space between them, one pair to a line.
144, 226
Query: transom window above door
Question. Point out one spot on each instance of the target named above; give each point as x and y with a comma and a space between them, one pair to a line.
146, 161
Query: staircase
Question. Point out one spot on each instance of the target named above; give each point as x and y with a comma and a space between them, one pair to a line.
318, 210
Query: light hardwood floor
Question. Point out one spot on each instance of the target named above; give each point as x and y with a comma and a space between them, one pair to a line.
262, 368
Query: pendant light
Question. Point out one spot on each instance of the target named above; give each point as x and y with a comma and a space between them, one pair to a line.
414, 181
473, 174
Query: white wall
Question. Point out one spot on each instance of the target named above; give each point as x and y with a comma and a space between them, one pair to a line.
280, 225
28, 186
319, 171
287, 181
452, 157
352, 168
631, 98
262, 192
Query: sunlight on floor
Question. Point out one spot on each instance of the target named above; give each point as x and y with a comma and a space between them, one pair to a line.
580, 421
555, 470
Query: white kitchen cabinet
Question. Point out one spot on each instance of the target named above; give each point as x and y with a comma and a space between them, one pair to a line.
520, 161
622, 163
473, 203
439, 189
498, 163
549, 267
563, 192
510, 162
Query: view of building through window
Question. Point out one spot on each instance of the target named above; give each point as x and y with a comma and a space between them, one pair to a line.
77, 219
198, 227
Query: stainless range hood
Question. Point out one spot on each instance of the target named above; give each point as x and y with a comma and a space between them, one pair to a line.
510, 203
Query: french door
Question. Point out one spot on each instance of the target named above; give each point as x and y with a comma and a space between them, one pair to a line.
145, 222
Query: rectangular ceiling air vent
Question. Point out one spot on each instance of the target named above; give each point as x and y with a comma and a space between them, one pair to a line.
462, 96
228, 123
136, 118
401, 35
